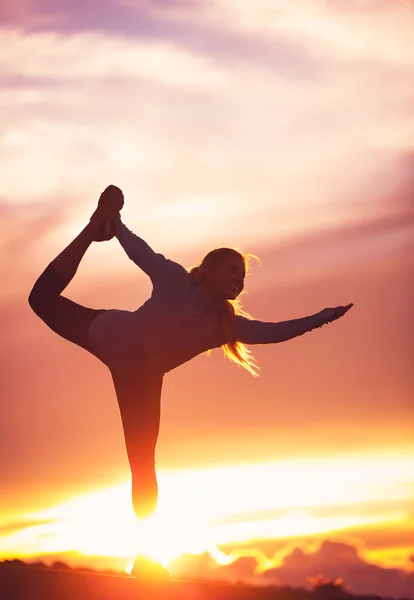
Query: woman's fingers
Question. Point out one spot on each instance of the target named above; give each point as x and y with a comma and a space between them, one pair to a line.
339, 311
108, 225
331, 314
346, 308
104, 227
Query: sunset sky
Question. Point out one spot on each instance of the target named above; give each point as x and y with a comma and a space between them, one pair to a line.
283, 129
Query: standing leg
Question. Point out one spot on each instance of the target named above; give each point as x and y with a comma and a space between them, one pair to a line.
139, 396
139, 399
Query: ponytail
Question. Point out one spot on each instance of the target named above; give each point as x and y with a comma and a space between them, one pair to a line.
233, 350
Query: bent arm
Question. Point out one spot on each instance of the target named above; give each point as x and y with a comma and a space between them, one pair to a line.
139, 251
258, 332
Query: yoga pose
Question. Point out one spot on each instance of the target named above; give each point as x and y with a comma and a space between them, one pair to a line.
189, 312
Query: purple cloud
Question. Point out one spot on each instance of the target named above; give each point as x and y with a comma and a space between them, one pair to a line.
332, 560
158, 21
336, 560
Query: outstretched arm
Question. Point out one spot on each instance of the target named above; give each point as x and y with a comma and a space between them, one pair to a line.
257, 332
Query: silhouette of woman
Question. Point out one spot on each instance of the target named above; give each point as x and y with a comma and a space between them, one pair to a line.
189, 312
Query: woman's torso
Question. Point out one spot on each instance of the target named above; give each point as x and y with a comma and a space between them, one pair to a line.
178, 322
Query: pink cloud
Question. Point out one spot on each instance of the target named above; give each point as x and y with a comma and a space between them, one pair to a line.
299, 568
185, 23
339, 560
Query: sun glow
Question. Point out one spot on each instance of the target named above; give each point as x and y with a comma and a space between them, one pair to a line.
200, 510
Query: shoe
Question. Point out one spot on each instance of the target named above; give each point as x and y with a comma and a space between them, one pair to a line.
147, 571
111, 200
105, 216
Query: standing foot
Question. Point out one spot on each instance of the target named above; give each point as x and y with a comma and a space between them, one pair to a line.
147, 571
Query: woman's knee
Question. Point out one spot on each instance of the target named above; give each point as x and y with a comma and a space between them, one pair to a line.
36, 298
47, 288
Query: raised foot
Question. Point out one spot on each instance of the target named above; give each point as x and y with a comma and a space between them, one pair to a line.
103, 220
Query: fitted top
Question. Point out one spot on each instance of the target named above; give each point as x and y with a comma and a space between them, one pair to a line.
179, 321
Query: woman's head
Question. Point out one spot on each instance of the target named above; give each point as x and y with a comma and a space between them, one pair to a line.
222, 272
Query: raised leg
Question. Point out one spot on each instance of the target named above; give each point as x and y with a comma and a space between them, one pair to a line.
65, 317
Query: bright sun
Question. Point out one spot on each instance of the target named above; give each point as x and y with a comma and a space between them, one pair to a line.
200, 510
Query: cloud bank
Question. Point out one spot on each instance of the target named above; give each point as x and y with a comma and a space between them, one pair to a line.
334, 560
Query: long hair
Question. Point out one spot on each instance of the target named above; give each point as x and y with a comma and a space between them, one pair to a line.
234, 350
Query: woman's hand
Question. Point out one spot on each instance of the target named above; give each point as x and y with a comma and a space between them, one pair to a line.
104, 218
327, 315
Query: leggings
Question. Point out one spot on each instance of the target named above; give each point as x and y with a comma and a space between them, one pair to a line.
138, 390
